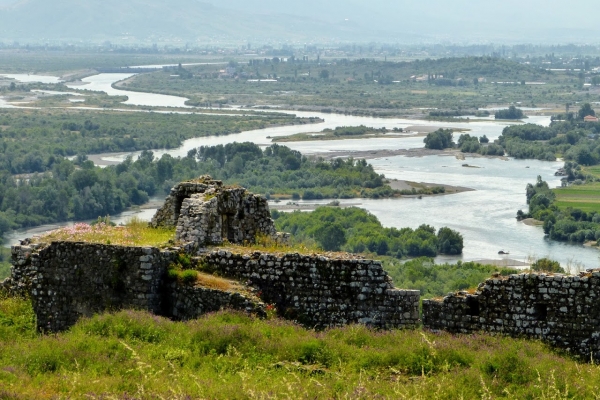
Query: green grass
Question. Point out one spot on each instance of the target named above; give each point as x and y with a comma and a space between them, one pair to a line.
593, 170
583, 197
4, 270
232, 356
134, 233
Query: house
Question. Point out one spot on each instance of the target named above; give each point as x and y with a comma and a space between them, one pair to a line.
590, 118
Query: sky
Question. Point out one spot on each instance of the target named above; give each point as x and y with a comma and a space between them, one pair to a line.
474, 20
392, 21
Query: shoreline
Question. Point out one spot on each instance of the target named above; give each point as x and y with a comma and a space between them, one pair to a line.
420, 152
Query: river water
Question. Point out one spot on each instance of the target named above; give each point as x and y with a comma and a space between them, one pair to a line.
485, 216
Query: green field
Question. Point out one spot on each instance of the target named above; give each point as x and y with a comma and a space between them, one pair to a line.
368, 87
593, 170
583, 197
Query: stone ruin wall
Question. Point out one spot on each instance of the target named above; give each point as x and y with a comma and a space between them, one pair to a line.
563, 311
68, 280
322, 292
205, 212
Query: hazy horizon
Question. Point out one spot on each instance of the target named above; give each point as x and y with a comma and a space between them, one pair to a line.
428, 21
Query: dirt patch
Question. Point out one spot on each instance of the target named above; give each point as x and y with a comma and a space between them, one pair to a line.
408, 185
532, 222
422, 128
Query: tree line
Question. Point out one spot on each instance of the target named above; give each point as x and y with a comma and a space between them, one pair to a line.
357, 231
568, 225
79, 190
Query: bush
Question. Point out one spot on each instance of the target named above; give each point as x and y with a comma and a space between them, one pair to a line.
189, 276
547, 265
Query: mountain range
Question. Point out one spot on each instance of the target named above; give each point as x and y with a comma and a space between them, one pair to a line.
285, 21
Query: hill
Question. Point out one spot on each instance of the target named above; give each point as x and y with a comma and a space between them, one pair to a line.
284, 21
135, 21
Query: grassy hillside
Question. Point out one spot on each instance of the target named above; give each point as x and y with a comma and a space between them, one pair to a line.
231, 356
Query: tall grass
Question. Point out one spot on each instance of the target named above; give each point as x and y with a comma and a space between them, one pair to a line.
134, 233
228, 355
265, 243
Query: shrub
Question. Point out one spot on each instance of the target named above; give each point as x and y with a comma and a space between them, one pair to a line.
547, 265
189, 276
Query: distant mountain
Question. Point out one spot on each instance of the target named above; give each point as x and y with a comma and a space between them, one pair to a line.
164, 21
281, 21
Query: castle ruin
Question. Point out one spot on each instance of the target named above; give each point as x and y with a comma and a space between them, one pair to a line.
70, 280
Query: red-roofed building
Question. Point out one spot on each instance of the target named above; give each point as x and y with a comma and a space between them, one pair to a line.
590, 118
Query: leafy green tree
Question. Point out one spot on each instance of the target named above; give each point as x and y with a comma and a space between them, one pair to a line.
331, 237
511, 113
585, 110
439, 140
449, 241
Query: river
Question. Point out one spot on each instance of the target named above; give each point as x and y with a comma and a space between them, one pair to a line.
485, 216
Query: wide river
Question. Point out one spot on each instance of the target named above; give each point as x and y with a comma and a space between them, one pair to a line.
485, 216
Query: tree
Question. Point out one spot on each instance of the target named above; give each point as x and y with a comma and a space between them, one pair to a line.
586, 110
449, 241
440, 139
324, 74
511, 113
331, 237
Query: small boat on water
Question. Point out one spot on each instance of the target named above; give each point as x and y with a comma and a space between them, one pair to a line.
502, 252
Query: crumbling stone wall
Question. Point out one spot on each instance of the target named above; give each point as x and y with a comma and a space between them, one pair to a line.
190, 302
70, 280
205, 212
561, 310
217, 215
168, 214
320, 291
67, 280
